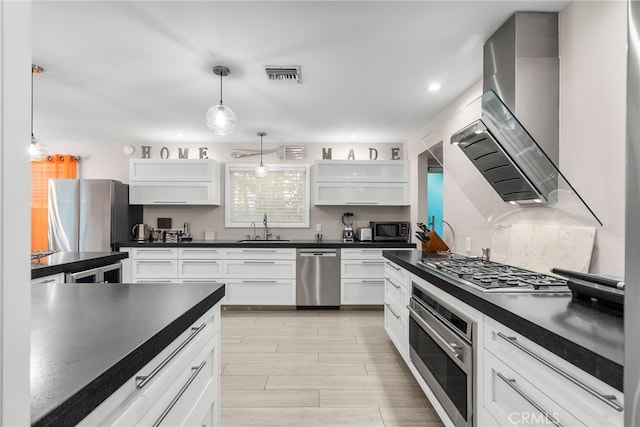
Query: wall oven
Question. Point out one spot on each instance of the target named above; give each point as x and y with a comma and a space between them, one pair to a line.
441, 348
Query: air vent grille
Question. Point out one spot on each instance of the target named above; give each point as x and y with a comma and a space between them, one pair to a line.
284, 74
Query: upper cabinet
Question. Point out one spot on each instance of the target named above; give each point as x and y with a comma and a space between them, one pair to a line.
362, 182
174, 182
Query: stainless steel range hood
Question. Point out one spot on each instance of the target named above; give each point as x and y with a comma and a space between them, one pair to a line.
514, 144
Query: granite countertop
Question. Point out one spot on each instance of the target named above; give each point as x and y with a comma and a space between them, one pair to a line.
267, 244
87, 340
589, 336
71, 262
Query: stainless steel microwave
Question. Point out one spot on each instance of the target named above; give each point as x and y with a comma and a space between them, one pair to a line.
390, 231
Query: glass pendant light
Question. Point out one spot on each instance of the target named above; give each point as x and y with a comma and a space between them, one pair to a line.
220, 118
261, 170
37, 150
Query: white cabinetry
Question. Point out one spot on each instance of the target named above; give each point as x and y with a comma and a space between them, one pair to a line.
200, 265
524, 379
179, 387
260, 276
51, 279
397, 290
362, 276
362, 182
174, 182
154, 265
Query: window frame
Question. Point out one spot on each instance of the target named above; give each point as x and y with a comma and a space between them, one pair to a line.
230, 167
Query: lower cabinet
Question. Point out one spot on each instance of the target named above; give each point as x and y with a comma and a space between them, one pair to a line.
179, 387
397, 289
54, 278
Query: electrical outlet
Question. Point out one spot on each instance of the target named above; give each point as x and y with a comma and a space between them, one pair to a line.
468, 244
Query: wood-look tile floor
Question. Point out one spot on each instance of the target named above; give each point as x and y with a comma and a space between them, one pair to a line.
315, 368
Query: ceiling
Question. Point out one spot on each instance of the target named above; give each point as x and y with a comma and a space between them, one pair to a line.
131, 72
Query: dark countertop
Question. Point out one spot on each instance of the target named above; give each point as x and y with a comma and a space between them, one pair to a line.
267, 244
71, 262
588, 337
87, 340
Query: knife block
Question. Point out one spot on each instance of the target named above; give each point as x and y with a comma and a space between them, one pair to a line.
434, 244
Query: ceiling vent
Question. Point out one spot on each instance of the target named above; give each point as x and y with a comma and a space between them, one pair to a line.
284, 74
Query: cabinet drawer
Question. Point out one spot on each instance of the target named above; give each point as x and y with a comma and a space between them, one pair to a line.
512, 400
54, 278
199, 268
396, 294
587, 398
362, 291
260, 269
156, 280
361, 254
201, 253
154, 253
362, 268
261, 292
154, 268
399, 275
396, 324
260, 253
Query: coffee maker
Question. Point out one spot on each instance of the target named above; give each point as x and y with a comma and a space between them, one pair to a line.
347, 233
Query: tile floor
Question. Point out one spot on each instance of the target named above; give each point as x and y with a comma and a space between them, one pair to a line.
315, 368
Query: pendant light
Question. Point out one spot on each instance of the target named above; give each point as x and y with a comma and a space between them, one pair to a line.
220, 118
261, 170
37, 149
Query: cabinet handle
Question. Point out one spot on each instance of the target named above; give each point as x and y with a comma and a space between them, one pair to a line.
392, 283
196, 370
606, 398
391, 310
259, 262
143, 380
372, 281
47, 281
155, 262
259, 281
169, 202
362, 203
258, 250
372, 262
392, 266
511, 382
204, 261
153, 281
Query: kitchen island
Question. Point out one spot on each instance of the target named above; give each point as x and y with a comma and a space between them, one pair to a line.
88, 341
71, 262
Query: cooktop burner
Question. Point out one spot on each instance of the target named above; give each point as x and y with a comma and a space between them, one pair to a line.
493, 277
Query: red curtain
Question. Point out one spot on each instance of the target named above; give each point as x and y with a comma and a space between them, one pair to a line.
53, 167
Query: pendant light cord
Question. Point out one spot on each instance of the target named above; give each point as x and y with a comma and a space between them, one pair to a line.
220, 89
260, 150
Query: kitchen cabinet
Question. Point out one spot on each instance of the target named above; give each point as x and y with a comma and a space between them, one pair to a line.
174, 182
362, 182
53, 278
154, 265
180, 386
523, 378
199, 265
397, 290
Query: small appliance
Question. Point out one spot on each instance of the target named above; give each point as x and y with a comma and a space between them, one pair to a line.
394, 231
347, 233
365, 234
141, 232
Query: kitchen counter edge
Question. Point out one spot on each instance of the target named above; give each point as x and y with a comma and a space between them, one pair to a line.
71, 262
266, 244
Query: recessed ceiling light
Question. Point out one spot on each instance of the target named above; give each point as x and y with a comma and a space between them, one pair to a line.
179, 135
433, 87
352, 136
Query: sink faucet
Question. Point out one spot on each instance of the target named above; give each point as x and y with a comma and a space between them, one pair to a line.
266, 233
255, 235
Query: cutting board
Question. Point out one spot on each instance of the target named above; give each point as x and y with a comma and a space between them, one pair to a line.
541, 247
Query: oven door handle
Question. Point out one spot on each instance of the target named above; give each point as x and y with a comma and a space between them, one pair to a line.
434, 334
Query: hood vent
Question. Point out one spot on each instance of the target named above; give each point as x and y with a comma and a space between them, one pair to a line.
284, 74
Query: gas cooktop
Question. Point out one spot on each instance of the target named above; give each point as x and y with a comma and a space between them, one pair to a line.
490, 276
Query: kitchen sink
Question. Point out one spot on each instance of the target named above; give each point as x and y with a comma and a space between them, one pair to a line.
261, 241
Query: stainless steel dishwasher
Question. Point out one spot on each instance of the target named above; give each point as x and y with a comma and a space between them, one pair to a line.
318, 277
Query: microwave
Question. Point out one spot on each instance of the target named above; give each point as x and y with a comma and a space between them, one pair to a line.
390, 231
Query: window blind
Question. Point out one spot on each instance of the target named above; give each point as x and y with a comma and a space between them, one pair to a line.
283, 195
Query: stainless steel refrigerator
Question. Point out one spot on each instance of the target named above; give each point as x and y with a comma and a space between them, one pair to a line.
90, 215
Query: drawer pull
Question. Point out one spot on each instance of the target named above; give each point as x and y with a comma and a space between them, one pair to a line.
259, 281
196, 370
169, 202
259, 250
259, 262
153, 281
607, 399
392, 283
47, 281
372, 262
143, 380
155, 262
392, 266
391, 310
372, 281
362, 203
512, 383
204, 261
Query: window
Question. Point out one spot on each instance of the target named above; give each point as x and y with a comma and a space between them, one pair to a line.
283, 195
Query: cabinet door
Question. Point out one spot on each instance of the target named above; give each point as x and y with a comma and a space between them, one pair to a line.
154, 269
53, 278
174, 193
260, 253
361, 171
261, 292
361, 253
396, 324
365, 194
199, 268
153, 253
201, 253
359, 268
259, 269
362, 291
168, 170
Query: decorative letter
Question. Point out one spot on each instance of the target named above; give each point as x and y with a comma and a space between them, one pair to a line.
164, 153
183, 153
351, 156
146, 151
395, 153
373, 154
326, 154
203, 153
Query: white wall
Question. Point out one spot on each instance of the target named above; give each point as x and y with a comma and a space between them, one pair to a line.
15, 63
592, 138
104, 160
